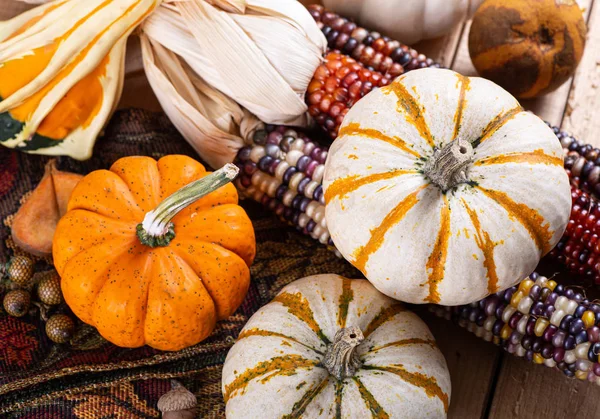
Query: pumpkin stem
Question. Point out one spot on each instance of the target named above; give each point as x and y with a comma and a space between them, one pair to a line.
341, 359
447, 167
157, 229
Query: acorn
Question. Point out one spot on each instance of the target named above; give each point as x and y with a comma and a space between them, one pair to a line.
60, 328
20, 271
179, 403
48, 290
16, 302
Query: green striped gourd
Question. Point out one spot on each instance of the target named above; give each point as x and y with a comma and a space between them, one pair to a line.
440, 188
331, 347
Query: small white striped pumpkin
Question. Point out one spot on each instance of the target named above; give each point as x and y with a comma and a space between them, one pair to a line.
441, 189
331, 347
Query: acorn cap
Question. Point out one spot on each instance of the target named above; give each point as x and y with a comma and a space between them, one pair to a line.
179, 398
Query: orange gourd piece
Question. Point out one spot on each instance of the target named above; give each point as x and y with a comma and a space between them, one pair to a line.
155, 252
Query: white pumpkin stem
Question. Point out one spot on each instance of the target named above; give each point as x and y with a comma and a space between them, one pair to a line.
157, 229
341, 359
448, 166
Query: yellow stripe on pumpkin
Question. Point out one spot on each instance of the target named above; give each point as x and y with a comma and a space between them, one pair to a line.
536, 225
429, 384
377, 411
385, 315
259, 332
279, 366
465, 85
355, 129
405, 342
437, 259
362, 254
409, 106
299, 307
343, 186
485, 243
498, 122
346, 298
532, 157
300, 406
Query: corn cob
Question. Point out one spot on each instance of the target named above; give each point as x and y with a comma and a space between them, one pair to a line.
540, 320
358, 62
336, 86
378, 53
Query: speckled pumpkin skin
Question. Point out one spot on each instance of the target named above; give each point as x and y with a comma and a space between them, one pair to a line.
167, 297
528, 47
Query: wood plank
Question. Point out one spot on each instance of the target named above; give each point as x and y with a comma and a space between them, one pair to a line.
581, 118
442, 49
526, 390
550, 107
472, 363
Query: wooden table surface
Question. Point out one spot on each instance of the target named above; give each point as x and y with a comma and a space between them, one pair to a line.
486, 382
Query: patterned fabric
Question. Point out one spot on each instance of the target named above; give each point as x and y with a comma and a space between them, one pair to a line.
93, 378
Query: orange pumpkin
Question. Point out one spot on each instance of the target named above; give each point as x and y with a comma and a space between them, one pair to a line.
163, 276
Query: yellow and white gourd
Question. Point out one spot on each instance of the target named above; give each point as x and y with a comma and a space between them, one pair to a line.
61, 73
331, 347
441, 189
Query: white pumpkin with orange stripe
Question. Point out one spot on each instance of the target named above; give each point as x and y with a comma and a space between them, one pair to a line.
61, 73
441, 189
331, 347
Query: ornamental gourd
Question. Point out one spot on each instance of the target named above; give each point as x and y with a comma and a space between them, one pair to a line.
61, 73
328, 346
144, 271
441, 189
406, 21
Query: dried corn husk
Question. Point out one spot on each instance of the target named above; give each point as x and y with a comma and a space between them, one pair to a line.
212, 123
260, 53
61, 72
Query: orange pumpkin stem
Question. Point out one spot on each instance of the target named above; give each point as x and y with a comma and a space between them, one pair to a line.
341, 359
448, 166
157, 230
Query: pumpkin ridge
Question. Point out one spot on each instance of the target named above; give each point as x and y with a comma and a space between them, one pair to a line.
138, 259
346, 297
528, 217
465, 84
377, 411
339, 391
130, 166
261, 332
354, 128
409, 106
299, 307
301, 405
67, 268
487, 246
427, 383
437, 259
343, 186
164, 260
531, 157
281, 365
382, 317
362, 254
497, 123
403, 342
